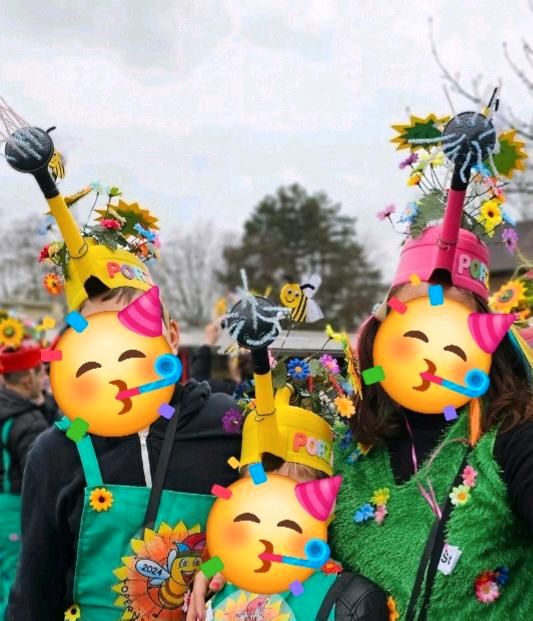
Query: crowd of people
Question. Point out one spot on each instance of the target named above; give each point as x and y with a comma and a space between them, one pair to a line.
413, 452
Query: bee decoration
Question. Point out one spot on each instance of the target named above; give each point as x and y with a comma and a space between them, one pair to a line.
56, 166
299, 299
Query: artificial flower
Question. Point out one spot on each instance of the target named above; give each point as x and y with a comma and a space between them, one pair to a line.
508, 297
72, 613
45, 225
11, 333
298, 369
98, 188
409, 213
364, 448
330, 363
345, 407
243, 389
381, 513
414, 179
408, 161
52, 283
44, 253
460, 495
490, 216
111, 224
364, 513
346, 439
353, 456
482, 169
54, 249
469, 476
331, 567
507, 217
487, 591
394, 615
232, 421
101, 499
502, 575
386, 213
381, 496
510, 239
348, 388
434, 156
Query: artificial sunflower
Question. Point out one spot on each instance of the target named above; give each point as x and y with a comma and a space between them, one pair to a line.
52, 283
490, 216
101, 499
11, 333
131, 214
509, 296
419, 128
511, 155
72, 613
345, 407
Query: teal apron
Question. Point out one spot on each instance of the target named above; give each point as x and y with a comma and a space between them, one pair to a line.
126, 571
9, 525
233, 604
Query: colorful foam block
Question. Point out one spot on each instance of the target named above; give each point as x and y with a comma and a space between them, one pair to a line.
436, 295
166, 411
296, 588
77, 429
397, 305
414, 279
258, 474
233, 462
48, 323
221, 492
76, 321
51, 355
212, 566
373, 375
450, 413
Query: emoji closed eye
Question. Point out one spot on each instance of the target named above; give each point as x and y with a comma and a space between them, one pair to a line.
87, 366
247, 517
290, 524
131, 353
455, 349
417, 334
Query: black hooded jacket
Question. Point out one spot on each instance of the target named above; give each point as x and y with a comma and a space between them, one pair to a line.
28, 423
52, 494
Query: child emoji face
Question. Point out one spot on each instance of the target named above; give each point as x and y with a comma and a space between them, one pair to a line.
99, 362
427, 339
257, 519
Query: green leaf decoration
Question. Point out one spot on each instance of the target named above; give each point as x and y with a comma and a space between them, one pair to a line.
279, 375
114, 191
430, 207
314, 366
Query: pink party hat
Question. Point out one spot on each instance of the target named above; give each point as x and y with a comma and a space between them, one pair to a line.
489, 329
318, 497
143, 315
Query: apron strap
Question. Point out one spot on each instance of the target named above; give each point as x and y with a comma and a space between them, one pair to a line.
162, 464
6, 457
89, 461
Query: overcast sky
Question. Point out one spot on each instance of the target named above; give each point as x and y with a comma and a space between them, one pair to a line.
197, 109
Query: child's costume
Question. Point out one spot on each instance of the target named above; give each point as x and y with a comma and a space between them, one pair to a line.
101, 540
276, 427
450, 539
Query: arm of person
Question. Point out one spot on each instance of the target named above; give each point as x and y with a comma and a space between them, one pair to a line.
513, 451
202, 585
40, 583
26, 428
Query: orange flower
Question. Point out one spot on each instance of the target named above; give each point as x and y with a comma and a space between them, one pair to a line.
52, 283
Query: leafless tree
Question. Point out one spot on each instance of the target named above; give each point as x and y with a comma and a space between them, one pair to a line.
477, 91
187, 269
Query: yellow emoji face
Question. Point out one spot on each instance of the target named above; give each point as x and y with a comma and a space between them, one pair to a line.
259, 519
427, 339
98, 363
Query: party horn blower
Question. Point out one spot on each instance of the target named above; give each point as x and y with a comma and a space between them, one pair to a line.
167, 366
316, 552
477, 383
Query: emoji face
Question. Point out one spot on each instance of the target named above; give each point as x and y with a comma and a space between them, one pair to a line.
290, 295
97, 364
432, 339
258, 519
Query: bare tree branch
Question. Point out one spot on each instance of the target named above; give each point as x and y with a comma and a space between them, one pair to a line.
518, 72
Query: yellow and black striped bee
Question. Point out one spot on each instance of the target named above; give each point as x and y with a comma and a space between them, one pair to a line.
299, 298
56, 166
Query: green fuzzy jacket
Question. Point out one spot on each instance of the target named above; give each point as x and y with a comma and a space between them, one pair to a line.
488, 533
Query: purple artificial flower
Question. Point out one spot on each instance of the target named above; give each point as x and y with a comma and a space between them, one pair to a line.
386, 213
329, 363
510, 239
408, 161
232, 421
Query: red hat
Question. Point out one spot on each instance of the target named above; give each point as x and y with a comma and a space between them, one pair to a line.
22, 359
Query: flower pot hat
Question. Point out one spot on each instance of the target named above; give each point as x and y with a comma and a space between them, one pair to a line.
95, 254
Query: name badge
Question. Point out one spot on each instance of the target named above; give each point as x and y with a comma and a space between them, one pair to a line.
448, 559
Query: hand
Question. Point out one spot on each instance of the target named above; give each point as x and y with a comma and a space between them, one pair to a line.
196, 609
212, 333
